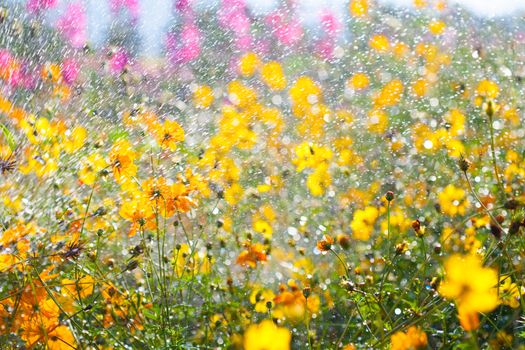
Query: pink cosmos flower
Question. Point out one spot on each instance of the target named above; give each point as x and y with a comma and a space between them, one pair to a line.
330, 23
72, 24
288, 31
70, 71
187, 47
131, 5
118, 61
39, 5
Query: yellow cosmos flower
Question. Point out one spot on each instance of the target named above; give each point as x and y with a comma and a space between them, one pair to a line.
377, 121
358, 81
91, 167
310, 155
267, 336
414, 338
436, 27
487, 88
248, 64
318, 181
362, 224
452, 200
379, 43
203, 96
359, 8
273, 76
390, 95
472, 286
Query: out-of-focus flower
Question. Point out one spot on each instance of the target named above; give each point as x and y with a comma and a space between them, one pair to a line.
187, 46
40, 5
267, 336
359, 8
452, 200
131, 5
70, 70
118, 61
203, 96
413, 339
473, 287
272, 74
72, 24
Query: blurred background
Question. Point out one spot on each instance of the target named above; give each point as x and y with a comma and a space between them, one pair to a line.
154, 17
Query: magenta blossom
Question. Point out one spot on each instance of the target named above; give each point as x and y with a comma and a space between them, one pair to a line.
330, 23
39, 5
188, 46
118, 61
288, 31
70, 71
72, 25
131, 5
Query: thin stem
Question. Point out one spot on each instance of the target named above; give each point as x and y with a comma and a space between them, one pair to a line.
494, 162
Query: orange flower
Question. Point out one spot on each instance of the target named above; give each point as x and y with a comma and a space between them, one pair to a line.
251, 255
325, 244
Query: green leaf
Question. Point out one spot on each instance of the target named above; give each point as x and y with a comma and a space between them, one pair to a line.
10, 139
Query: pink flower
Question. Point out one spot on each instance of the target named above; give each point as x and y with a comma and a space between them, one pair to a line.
325, 48
118, 61
330, 23
5, 58
70, 71
188, 47
243, 42
131, 5
287, 30
39, 5
72, 25
183, 6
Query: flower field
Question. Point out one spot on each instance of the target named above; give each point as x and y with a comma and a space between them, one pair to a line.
264, 183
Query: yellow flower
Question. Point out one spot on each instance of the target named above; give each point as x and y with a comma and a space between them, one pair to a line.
472, 286
390, 94
359, 8
487, 88
260, 297
233, 194
452, 200
362, 224
122, 158
61, 338
358, 81
203, 96
79, 289
75, 140
248, 64
169, 134
263, 227
379, 43
241, 95
91, 167
377, 121
318, 181
267, 336
310, 155
414, 338
304, 93
509, 292
273, 76
437, 27
419, 87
